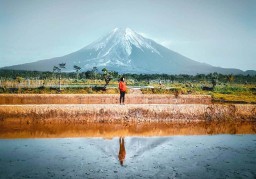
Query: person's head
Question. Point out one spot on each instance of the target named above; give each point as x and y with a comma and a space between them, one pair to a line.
122, 78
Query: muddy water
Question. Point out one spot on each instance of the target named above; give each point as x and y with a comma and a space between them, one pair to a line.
110, 130
216, 156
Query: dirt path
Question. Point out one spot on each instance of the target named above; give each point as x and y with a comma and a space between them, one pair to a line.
135, 91
135, 96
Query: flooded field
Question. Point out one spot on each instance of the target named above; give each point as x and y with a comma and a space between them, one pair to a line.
97, 138
216, 156
128, 150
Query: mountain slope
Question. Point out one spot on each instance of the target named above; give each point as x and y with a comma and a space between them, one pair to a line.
125, 51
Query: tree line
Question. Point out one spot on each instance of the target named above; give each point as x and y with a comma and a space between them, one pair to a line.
105, 74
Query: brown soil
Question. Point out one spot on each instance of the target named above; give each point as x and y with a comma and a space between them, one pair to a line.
78, 113
134, 98
31, 116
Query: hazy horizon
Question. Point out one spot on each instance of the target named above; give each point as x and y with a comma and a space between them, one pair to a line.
220, 33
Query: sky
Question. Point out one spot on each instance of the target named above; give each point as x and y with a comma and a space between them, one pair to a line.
218, 32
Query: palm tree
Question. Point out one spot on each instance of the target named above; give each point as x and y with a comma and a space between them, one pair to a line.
61, 66
57, 69
77, 68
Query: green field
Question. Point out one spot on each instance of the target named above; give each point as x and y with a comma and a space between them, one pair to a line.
222, 88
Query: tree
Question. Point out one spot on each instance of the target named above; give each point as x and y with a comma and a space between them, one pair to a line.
230, 78
58, 70
107, 76
61, 66
77, 68
19, 79
214, 82
89, 74
214, 77
95, 71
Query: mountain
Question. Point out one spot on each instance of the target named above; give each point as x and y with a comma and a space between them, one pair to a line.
250, 72
125, 51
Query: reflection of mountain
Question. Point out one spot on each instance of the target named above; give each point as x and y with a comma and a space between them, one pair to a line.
135, 147
198, 156
144, 145
125, 51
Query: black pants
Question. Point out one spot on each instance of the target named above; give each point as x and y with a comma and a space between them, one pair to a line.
122, 95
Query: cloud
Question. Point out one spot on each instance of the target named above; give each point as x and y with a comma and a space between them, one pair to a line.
166, 43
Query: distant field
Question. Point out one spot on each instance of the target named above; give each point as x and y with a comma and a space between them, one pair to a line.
238, 93
222, 88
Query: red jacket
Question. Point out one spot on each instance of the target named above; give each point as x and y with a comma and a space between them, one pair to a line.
122, 86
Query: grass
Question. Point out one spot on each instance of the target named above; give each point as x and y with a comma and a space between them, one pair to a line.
69, 90
235, 93
237, 97
222, 92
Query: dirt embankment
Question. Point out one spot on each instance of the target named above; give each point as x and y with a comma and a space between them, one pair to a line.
63, 115
126, 113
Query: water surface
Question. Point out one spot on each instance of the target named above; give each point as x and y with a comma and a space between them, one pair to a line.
110, 130
216, 156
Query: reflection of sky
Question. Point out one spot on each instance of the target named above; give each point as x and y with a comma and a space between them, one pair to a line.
176, 157
217, 32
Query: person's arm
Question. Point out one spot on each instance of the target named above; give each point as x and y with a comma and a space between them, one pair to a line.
120, 86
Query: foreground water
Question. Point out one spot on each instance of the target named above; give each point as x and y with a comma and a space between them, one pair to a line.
216, 156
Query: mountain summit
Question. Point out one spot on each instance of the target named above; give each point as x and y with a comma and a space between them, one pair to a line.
116, 50
126, 51
122, 39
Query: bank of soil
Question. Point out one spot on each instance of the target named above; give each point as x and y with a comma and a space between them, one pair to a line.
123, 113
102, 99
19, 113
21, 121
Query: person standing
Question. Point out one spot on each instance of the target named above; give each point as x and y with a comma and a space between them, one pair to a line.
122, 88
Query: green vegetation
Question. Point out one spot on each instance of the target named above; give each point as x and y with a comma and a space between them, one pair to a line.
223, 88
235, 93
67, 90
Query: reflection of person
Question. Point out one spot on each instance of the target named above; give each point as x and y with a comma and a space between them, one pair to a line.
122, 152
122, 88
